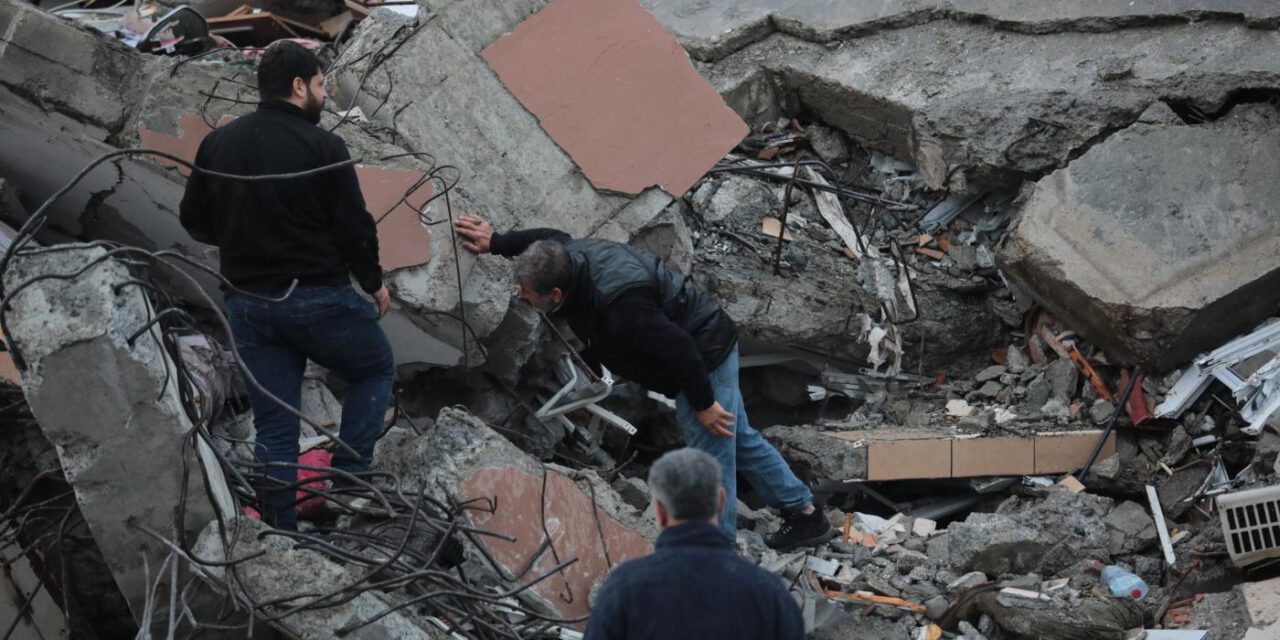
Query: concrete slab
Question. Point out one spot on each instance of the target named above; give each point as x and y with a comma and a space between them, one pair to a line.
711, 29
1262, 599
1158, 243
617, 92
120, 442
68, 70
921, 80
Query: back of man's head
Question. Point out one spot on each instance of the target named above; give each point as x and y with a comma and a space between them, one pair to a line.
283, 61
544, 266
686, 484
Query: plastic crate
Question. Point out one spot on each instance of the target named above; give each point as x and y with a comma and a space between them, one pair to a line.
1251, 524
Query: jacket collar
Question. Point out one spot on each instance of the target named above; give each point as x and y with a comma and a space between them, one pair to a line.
579, 282
693, 534
282, 106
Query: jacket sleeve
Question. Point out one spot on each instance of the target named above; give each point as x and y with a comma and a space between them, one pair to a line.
193, 211
635, 315
513, 243
353, 228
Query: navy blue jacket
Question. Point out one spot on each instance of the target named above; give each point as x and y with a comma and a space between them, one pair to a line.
693, 587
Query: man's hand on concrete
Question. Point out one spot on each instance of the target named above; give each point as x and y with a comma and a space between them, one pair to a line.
383, 299
475, 232
716, 420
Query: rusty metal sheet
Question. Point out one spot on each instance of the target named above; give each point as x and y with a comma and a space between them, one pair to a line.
616, 91
571, 519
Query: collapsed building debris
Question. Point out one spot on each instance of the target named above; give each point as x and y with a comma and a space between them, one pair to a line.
948, 364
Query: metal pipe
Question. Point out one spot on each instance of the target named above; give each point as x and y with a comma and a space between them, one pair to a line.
1111, 423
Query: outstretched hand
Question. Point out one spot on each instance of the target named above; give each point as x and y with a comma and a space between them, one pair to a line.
475, 232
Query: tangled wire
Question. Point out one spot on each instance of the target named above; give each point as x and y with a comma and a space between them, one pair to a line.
382, 555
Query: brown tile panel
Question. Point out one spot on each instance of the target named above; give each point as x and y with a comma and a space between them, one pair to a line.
1063, 452
974, 457
402, 240
905, 459
571, 519
616, 91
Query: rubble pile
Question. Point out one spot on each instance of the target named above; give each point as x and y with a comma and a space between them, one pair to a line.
1001, 276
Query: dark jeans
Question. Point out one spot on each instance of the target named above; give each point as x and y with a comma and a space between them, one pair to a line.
336, 328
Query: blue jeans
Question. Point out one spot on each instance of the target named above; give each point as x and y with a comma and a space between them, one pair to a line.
747, 451
336, 328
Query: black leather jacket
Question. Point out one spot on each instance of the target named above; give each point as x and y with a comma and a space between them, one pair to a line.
637, 317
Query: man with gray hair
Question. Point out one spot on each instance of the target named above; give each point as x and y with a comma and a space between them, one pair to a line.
693, 586
659, 329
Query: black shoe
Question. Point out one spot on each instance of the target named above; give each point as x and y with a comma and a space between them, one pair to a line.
801, 530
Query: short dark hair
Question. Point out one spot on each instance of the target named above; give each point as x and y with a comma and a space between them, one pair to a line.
687, 482
283, 61
544, 266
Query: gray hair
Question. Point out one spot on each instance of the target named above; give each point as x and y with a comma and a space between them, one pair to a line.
687, 482
543, 266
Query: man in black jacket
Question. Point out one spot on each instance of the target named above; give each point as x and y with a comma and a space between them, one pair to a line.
693, 586
298, 241
657, 328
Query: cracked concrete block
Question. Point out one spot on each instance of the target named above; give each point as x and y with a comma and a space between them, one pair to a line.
740, 197
1043, 536
70, 70
121, 441
712, 29
460, 459
1262, 600
1156, 244
1132, 528
816, 455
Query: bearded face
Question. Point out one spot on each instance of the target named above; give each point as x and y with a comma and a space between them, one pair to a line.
314, 105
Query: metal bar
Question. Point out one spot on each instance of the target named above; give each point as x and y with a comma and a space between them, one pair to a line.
1161, 527
611, 417
782, 224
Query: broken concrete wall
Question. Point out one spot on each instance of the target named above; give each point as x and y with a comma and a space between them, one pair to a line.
121, 441
1158, 243
460, 459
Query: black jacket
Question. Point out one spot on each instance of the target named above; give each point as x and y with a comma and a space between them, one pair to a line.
643, 321
268, 233
693, 587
